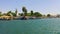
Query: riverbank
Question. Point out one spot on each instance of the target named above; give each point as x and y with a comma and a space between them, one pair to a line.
22, 17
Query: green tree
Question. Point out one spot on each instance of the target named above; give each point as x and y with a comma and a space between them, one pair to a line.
37, 14
31, 12
24, 10
48, 15
21, 14
0, 13
28, 14
8, 13
16, 12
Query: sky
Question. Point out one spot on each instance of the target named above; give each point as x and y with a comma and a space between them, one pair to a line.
42, 6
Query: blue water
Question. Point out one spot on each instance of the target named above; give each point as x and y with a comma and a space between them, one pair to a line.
37, 26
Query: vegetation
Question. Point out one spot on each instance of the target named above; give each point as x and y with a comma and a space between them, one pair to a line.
24, 10
0, 13
29, 14
21, 14
8, 13
16, 12
32, 13
37, 14
48, 15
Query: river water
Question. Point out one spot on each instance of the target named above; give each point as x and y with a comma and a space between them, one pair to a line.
35, 26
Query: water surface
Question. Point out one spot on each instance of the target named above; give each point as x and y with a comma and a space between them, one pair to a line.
37, 26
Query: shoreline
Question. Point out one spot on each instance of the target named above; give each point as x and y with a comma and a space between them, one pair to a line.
24, 18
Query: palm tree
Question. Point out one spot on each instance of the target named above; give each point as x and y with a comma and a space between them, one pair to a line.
24, 10
31, 12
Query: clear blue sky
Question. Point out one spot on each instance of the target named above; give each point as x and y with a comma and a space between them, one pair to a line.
42, 6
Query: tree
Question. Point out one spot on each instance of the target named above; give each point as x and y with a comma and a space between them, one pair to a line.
31, 12
21, 14
28, 14
0, 13
24, 10
8, 13
16, 12
48, 15
37, 14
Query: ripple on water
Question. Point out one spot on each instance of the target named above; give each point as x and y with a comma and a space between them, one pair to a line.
37, 26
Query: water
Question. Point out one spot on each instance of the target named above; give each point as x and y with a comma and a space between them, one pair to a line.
37, 26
